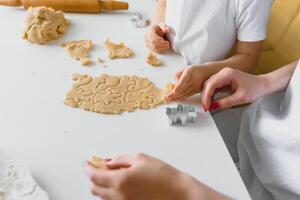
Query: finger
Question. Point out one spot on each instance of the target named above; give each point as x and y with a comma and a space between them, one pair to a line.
97, 176
158, 41
187, 95
124, 161
211, 85
173, 96
182, 83
178, 74
153, 35
230, 101
104, 193
164, 28
156, 44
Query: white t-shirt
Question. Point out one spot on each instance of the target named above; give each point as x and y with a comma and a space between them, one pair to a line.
269, 145
206, 30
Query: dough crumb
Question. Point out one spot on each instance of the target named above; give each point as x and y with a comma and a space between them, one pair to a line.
169, 88
79, 50
44, 24
117, 50
98, 163
113, 94
153, 60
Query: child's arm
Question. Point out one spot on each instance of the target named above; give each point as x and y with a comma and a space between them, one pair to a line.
245, 58
191, 79
154, 37
159, 12
246, 88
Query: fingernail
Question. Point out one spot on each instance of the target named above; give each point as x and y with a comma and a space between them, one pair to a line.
214, 106
204, 108
107, 159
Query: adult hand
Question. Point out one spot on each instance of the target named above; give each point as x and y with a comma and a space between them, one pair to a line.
245, 88
143, 177
189, 82
155, 38
134, 178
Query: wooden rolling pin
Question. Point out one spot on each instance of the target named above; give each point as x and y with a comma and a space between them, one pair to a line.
82, 6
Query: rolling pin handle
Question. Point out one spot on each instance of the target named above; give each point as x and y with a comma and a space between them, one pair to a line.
13, 3
113, 5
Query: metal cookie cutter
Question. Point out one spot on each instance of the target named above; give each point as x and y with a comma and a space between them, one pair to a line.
139, 21
181, 115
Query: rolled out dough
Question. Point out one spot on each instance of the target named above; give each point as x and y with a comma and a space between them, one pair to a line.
79, 50
112, 94
44, 24
98, 163
117, 50
153, 60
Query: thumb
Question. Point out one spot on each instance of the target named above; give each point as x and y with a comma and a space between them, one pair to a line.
119, 162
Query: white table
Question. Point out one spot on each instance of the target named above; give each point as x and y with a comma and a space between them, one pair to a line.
54, 140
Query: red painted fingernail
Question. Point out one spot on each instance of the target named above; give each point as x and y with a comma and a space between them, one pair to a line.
204, 108
214, 106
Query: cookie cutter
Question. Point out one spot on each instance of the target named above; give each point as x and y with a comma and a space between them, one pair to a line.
181, 115
139, 21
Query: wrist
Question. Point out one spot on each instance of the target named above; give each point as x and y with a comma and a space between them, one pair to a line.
191, 189
188, 188
266, 86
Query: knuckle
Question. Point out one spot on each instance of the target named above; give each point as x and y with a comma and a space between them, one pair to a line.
93, 176
140, 156
228, 70
94, 190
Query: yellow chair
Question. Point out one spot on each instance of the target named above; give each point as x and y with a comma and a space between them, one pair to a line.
282, 45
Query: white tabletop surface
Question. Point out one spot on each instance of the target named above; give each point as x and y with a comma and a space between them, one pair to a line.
54, 140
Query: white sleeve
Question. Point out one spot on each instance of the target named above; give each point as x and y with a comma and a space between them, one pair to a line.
251, 19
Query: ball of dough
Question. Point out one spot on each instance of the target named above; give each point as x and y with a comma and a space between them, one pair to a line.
44, 24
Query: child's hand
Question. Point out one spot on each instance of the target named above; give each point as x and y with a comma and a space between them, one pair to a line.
245, 88
155, 40
189, 82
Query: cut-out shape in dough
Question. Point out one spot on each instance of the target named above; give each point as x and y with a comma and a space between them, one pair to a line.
98, 163
44, 24
117, 50
79, 50
112, 94
153, 60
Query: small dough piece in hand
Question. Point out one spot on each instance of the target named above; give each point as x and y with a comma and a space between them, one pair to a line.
79, 50
153, 60
169, 88
117, 50
44, 24
98, 163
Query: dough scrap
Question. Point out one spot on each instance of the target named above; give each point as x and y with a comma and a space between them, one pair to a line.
169, 88
153, 60
113, 94
79, 50
44, 24
117, 50
98, 163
